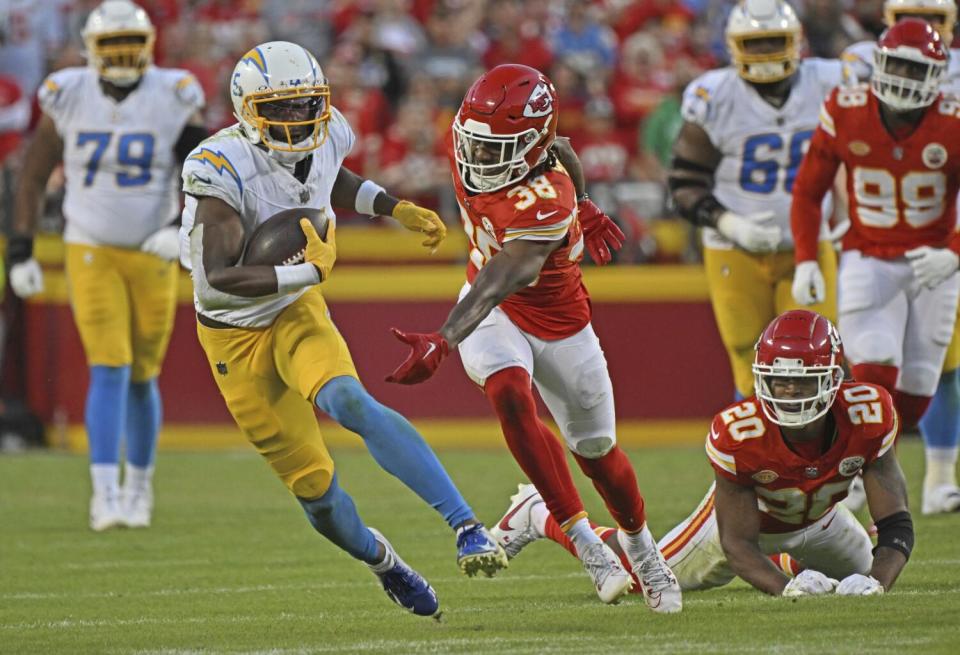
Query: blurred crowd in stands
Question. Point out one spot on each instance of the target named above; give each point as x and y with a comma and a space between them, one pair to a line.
398, 70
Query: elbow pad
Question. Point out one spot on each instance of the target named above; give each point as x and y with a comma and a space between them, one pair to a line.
896, 532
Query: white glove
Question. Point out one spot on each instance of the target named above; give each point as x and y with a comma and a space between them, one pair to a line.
26, 278
809, 583
164, 243
859, 585
752, 232
809, 287
839, 230
931, 266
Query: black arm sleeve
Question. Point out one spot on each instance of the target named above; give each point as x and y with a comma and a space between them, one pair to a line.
190, 138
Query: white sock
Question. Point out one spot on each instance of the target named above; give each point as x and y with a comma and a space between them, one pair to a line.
105, 479
388, 560
941, 467
639, 545
137, 479
582, 535
538, 519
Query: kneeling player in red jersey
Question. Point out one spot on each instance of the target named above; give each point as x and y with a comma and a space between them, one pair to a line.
783, 460
524, 318
899, 140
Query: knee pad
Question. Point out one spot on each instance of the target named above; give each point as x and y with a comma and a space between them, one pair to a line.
593, 447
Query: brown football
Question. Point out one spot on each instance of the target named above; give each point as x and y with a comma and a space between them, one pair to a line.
279, 240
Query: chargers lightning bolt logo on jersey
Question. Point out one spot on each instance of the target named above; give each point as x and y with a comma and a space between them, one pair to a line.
219, 162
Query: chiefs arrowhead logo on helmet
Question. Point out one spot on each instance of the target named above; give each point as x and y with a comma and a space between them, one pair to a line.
540, 102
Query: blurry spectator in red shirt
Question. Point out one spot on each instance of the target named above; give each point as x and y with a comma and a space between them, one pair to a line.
412, 157
606, 151
572, 96
636, 15
514, 39
640, 81
365, 107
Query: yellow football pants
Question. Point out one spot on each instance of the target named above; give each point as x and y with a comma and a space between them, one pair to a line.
749, 290
123, 304
952, 360
269, 378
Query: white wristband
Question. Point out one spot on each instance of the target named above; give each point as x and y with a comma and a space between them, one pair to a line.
366, 194
296, 277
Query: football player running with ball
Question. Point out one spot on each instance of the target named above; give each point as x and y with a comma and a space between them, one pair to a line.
899, 141
121, 126
266, 331
783, 460
940, 425
746, 128
523, 318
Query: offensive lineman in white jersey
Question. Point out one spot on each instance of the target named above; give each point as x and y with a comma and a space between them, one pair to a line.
746, 129
121, 127
940, 425
271, 345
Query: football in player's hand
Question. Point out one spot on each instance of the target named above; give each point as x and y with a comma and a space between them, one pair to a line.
279, 240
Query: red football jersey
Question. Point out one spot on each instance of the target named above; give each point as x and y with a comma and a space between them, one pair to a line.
540, 208
902, 191
747, 448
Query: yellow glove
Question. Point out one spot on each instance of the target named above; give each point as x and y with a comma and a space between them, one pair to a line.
320, 253
419, 219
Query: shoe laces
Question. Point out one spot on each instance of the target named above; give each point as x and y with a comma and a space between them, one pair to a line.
597, 563
655, 573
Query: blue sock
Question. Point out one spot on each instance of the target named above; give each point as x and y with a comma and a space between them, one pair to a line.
940, 426
144, 413
335, 517
105, 412
395, 444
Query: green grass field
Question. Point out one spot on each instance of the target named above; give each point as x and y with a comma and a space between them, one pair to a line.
231, 566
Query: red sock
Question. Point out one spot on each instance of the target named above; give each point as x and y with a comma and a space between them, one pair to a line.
554, 533
911, 408
537, 451
882, 374
616, 482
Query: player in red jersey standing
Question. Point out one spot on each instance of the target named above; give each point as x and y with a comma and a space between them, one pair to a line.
524, 316
783, 460
899, 140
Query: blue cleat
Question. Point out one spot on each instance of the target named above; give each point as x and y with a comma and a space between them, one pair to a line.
404, 586
478, 551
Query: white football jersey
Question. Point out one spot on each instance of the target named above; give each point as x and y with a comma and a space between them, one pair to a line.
227, 166
859, 57
762, 145
118, 157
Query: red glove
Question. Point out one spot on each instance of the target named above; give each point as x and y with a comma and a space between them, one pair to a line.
600, 233
427, 351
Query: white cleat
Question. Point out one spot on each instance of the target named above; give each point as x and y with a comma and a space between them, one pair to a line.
856, 496
661, 591
515, 530
105, 512
609, 577
943, 499
137, 509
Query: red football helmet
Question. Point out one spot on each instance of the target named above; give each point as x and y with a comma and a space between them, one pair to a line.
798, 344
505, 125
909, 63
